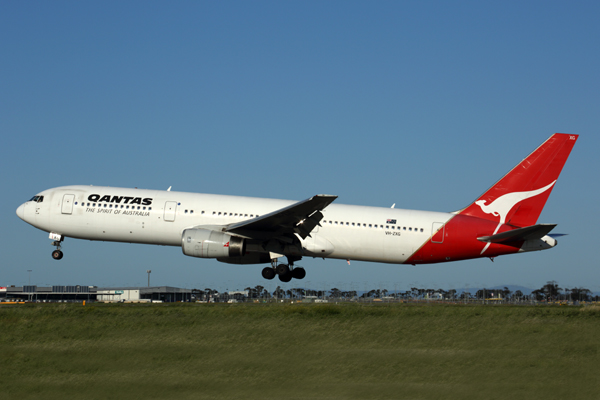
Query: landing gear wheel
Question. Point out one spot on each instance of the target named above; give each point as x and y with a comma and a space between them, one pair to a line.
286, 277
268, 273
57, 254
282, 269
298, 273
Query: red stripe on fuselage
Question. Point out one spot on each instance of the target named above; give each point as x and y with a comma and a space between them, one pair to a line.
458, 241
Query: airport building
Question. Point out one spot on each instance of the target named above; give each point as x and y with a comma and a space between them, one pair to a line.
59, 293
165, 294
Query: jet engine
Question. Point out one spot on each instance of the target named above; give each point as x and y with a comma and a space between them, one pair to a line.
206, 243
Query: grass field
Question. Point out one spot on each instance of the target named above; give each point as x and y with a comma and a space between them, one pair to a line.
318, 351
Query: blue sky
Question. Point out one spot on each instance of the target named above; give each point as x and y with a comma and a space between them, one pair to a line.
422, 104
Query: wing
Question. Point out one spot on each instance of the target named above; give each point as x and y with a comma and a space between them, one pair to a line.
300, 218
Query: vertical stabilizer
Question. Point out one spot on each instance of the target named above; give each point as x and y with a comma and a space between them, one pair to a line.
519, 197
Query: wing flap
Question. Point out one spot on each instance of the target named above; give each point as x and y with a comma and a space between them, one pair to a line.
519, 234
301, 218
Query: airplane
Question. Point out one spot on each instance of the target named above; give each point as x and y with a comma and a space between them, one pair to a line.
247, 230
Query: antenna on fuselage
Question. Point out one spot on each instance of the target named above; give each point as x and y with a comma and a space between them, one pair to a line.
169, 189
393, 205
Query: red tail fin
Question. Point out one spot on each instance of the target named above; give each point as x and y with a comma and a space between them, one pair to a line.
519, 197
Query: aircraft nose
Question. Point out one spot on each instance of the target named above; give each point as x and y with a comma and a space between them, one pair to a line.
21, 211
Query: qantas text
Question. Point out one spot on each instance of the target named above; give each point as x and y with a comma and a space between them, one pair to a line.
118, 199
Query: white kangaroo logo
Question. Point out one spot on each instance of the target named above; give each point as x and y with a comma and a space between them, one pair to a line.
503, 204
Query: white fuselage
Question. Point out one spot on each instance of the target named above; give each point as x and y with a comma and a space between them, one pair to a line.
160, 217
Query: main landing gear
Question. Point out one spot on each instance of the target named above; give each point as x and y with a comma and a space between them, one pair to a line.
57, 254
285, 271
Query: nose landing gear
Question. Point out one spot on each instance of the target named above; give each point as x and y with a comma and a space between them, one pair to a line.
57, 254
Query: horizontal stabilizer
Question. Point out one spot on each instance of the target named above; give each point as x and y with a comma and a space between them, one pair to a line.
519, 234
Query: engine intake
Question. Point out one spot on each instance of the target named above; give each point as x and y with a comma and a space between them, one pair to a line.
205, 243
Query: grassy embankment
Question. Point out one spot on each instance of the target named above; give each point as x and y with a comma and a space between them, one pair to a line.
299, 351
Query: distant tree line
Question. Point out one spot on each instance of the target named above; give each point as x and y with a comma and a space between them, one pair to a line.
550, 292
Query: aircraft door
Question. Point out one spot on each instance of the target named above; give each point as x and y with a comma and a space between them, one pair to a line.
170, 208
438, 232
67, 203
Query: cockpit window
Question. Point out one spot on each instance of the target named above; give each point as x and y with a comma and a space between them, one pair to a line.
37, 199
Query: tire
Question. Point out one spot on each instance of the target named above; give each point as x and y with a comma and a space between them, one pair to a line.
268, 273
298, 273
285, 278
282, 269
57, 254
